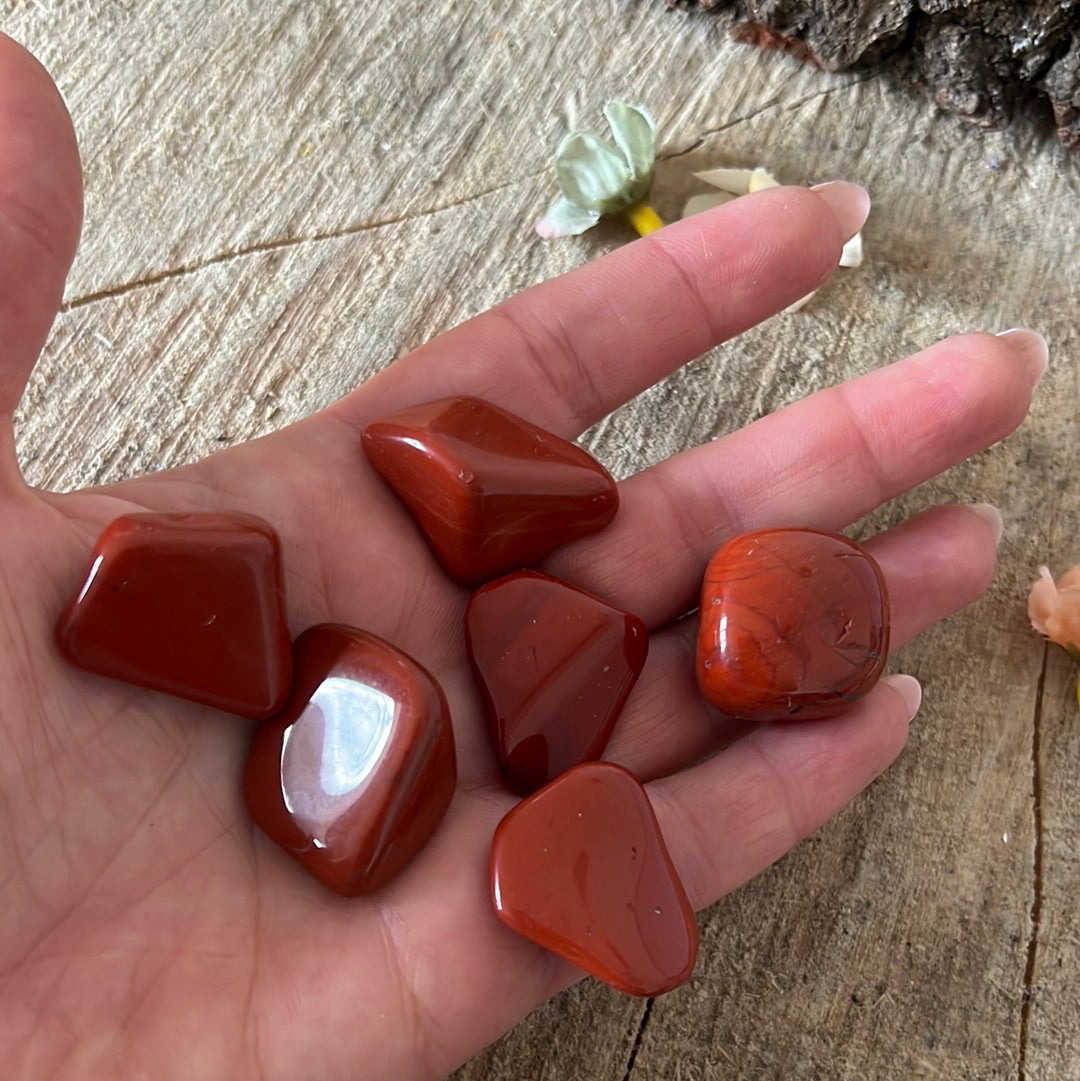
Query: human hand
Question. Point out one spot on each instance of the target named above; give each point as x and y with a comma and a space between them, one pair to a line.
147, 929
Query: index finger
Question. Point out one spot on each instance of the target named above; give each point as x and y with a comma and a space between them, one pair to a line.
566, 353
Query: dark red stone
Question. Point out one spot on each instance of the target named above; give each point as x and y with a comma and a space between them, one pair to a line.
581, 869
358, 769
555, 666
794, 625
189, 604
491, 491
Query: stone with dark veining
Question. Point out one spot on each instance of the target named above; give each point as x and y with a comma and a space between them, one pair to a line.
794, 624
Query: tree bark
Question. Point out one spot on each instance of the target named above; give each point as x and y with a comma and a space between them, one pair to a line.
984, 60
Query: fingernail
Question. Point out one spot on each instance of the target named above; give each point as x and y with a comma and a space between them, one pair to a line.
909, 690
849, 203
991, 516
1029, 347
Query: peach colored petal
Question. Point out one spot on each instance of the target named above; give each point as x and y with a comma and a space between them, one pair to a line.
1064, 624
1042, 600
1054, 610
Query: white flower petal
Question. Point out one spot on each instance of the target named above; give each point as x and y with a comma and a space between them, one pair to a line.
739, 181
565, 219
635, 135
734, 181
698, 204
852, 255
592, 174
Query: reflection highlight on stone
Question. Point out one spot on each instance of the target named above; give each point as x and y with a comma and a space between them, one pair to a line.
330, 753
352, 777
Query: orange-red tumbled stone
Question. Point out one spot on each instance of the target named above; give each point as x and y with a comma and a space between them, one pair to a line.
189, 604
492, 492
794, 625
581, 869
356, 772
555, 666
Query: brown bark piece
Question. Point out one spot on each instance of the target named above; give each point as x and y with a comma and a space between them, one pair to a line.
1062, 85
980, 59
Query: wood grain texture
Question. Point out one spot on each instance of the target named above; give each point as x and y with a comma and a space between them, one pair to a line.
282, 197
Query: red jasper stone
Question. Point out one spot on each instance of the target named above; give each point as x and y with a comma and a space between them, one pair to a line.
189, 604
356, 772
794, 625
491, 491
555, 666
581, 869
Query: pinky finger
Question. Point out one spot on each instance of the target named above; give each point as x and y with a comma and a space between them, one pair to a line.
728, 818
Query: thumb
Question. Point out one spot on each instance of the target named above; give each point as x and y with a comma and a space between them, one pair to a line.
40, 215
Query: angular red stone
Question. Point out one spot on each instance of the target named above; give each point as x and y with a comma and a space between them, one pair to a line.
189, 604
581, 869
794, 625
491, 491
555, 666
356, 772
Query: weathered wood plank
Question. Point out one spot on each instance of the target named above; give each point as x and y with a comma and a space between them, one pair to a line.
283, 197
1052, 1036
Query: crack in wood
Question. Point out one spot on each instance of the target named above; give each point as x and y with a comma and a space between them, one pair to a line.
263, 247
1037, 873
769, 106
643, 1024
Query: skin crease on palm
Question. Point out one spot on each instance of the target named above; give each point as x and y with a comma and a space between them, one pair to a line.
148, 930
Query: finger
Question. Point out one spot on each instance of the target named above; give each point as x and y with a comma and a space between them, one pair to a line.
636, 313
568, 352
40, 212
822, 462
729, 818
934, 565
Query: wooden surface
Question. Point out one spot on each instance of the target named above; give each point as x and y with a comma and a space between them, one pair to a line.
284, 196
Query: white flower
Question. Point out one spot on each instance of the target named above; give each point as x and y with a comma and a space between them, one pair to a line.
596, 178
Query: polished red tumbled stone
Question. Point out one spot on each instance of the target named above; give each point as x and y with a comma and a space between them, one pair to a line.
581, 869
555, 666
491, 491
353, 776
189, 604
794, 625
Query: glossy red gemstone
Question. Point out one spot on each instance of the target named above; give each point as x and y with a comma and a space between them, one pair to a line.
555, 666
356, 772
581, 869
491, 491
794, 625
189, 604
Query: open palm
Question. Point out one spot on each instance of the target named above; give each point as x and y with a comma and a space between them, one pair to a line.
148, 930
